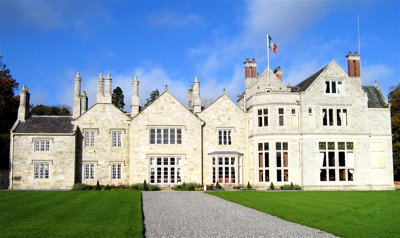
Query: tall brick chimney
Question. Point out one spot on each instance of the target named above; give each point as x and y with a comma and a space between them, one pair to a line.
250, 70
278, 72
354, 67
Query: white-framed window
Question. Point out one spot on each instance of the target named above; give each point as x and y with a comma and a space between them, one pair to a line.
282, 161
165, 169
42, 170
116, 138
263, 162
262, 117
336, 161
165, 135
90, 136
281, 112
334, 117
88, 170
332, 86
42, 145
116, 171
224, 137
223, 169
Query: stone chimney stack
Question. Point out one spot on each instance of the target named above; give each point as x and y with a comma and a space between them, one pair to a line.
100, 90
84, 102
250, 70
23, 109
196, 96
108, 89
190, 98
354, 67
278, 72
135, 97
77, 97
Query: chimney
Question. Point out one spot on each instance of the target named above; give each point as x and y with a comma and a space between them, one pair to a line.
23, 109
250, 68
108, 89
135, 97
84, 102
100, 92
354, 69
77, 99
278, 72
190, 97
196, 96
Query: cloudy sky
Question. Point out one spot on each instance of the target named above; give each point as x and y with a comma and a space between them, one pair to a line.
44, 43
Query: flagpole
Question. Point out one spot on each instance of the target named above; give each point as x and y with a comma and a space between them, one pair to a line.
268, 58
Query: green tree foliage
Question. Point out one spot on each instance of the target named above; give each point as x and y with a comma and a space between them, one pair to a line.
153, 96
8, 111
394, 100
44, 110
118, 98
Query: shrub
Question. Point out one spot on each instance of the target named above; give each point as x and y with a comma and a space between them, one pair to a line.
97, 187
141, 187
217, 186
81, 186
272, 187
145, 187
154, 188
107, 187
186, 187
249, 186
290, 187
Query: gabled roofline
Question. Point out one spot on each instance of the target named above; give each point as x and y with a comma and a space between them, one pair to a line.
95, 105
219, 99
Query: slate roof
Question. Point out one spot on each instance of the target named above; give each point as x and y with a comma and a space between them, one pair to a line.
302, 86
46, 124
375, 97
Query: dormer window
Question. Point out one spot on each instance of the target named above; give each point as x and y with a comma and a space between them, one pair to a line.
333, 86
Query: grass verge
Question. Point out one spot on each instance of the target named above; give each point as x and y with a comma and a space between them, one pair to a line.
116, 213
342, 213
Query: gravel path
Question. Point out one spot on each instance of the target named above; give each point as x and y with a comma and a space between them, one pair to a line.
196, 214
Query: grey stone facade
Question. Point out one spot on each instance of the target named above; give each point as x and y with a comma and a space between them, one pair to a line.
326, 133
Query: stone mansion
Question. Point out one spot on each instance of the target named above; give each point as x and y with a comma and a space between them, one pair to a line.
326, 133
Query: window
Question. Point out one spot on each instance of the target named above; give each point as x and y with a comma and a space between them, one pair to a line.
116, 171
223, 169
336, 161
333, 87
166, 170
42, 170
224, 137
116, 139
281, 117
263, 162
262, 117
310, 111
334, 117
165, 136
88, 171
293, 111
282, 161
89, 138
42, 145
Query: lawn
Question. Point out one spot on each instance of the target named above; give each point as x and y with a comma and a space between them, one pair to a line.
116, 213
343, 213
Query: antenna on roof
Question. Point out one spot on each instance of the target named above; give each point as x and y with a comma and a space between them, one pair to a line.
358, 31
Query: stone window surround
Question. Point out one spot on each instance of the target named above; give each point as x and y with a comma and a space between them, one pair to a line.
229, 138
38, 140
117, 141
38, 164
180, 166
334, 86
117, 169
162, 139
340, 115
94, 163
86, 141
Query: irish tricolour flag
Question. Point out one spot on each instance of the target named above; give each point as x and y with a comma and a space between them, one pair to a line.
272, 45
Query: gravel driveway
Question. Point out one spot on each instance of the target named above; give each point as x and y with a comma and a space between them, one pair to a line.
196, 214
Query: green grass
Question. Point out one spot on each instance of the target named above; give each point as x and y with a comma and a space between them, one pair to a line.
116, 213
344, 213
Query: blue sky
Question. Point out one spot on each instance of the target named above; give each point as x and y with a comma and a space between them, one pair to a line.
44, 43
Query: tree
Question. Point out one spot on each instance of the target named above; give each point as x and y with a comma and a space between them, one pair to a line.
394, 100
8, 112
153, 96
118, 98
44, 110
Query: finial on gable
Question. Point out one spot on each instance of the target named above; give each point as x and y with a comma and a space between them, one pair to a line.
224, 92
136, 78
196, 79
166, 88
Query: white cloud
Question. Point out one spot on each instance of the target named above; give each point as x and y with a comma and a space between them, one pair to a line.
370, 73
172, 19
